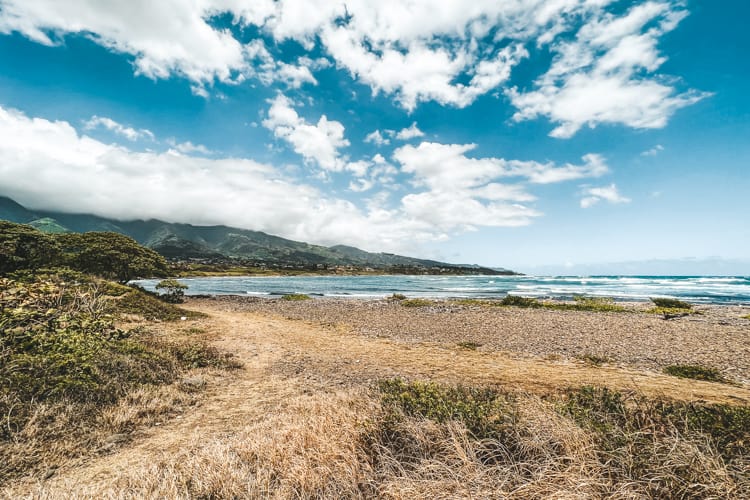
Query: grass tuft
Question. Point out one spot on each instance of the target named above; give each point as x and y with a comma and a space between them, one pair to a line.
668, 303
696, 372
295, 297
517, 301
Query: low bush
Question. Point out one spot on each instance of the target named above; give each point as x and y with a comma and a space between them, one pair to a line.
292, 297
64, 361
668, 303
149, 306
517, 301
484, 412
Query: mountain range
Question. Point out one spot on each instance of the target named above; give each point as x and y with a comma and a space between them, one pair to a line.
222, 243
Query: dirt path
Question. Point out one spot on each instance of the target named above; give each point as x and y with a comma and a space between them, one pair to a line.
284, 358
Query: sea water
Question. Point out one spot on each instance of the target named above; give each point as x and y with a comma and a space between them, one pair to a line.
698, 289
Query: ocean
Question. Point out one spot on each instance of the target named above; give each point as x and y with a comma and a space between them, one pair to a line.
697, 289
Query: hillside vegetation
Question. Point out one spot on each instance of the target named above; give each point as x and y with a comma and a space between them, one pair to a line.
72, 371
221, 248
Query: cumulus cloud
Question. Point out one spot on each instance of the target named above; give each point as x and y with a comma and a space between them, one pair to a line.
447, 166
318, 143
600, 75
129, 133
188, 147
376, 137
450, 52
466, 192
593, 195
411, 132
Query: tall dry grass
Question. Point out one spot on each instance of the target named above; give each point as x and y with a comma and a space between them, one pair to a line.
351, 445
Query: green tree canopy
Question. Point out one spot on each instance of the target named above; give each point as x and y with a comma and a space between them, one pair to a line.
173, 290
111, 255
23, 247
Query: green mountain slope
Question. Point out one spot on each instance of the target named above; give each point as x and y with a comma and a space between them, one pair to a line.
185, 241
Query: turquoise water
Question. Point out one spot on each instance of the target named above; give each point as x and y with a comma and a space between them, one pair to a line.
700, 289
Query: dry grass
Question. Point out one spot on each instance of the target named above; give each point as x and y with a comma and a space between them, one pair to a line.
351, 445
58, 432
265, 434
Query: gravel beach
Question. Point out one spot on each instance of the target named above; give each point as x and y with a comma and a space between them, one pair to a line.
719, 337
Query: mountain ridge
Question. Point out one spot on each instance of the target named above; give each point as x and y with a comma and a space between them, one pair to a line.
180, 241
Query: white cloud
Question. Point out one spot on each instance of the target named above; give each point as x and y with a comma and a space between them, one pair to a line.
465, 192
268, 70
376, 137
446, 166
593, 195
317, 143
188, 147
600, 75
49, 165
129, 133
653, 151
411, 132
450, 52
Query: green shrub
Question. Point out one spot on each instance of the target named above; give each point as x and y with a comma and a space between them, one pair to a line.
668, 303
295, 297
148, 306
485, 413
397, 296
58, 342
602, 304
696, 372
636, 422
515, 300
174, 291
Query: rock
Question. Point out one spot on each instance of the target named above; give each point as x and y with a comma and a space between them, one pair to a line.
116, 438
193, 382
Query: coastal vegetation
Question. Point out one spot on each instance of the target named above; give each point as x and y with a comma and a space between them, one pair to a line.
668, 303
696, 372
77, 364
174, 291
580, 303
295, 297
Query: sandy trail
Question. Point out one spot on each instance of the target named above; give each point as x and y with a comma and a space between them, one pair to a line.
284, 358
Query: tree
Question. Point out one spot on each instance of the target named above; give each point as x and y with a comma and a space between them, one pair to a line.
111, 255
174, 291
23, 247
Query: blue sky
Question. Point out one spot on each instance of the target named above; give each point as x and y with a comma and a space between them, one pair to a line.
539, 135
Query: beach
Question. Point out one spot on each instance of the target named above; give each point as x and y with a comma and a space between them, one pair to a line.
718, 336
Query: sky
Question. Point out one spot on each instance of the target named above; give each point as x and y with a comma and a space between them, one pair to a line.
536, 135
